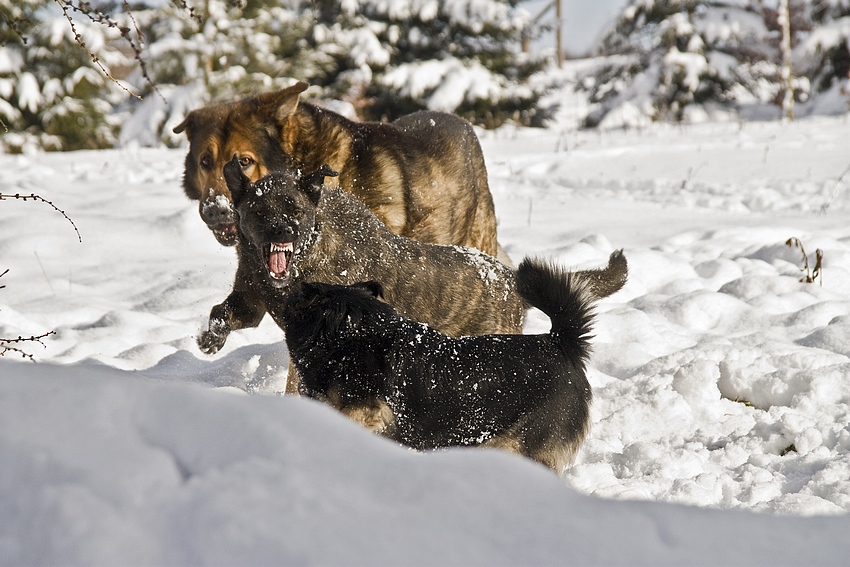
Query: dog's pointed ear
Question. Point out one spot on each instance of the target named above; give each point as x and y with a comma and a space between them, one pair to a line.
289, 100
373, 287
282, 104
312, 183
185, 125
236, 181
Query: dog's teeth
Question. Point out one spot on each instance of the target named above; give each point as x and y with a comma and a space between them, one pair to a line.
286, 246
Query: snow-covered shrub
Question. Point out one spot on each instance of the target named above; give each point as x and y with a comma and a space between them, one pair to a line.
675, 54
461, 56
385, 59
824, 55
53, 95
220, 50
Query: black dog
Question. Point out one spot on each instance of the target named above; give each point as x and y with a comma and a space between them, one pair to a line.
524, 393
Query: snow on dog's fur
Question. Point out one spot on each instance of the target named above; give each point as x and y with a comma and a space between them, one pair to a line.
292, 229
524, 393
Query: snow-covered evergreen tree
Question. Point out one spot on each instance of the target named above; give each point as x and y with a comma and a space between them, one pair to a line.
387, 57
197, 52
824, 55
462, 56
53, 95
682, 59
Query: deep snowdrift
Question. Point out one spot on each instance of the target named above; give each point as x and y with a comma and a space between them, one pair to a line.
105, 468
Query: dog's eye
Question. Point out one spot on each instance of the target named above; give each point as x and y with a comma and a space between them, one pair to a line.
297, 214
206, 162
245, 161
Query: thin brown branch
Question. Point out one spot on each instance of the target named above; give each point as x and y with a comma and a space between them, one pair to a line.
64, 5
6, 345
136, 45
137, 48
34, 197
192, 14
15, 24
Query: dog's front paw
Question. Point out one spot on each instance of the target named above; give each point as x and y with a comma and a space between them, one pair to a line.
211, 341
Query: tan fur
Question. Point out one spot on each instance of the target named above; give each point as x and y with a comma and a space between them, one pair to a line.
504, 443
555, 456
423, 175
376, 418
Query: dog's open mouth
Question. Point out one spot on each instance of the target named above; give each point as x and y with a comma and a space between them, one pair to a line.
278, 256
226, 234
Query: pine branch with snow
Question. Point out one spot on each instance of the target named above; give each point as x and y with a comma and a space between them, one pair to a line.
53, 95
459, 56
687, 61
824, 54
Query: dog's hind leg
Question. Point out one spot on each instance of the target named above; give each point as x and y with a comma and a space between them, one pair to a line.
556, 456
505, 442
292, 381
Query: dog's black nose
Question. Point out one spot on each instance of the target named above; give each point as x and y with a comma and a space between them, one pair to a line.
214, 213
283, 233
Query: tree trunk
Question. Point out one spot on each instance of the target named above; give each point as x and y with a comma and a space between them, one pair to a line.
785, 48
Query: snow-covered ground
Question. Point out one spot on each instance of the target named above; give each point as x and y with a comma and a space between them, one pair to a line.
721, 420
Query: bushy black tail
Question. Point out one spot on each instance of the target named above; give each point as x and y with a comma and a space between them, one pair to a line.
567, 298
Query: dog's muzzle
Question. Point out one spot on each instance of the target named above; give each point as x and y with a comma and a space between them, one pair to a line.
219, 217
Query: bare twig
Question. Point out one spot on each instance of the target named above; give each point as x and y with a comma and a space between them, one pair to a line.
816, 271
15, 26
137, 49
192, 15
6, 344
34, 197
65, 5
834, 192
811, 274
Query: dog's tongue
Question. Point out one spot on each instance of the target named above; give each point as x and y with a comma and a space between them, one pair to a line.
278, 258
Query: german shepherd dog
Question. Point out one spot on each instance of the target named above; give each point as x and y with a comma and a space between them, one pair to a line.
423, 175
524, 393
292, 229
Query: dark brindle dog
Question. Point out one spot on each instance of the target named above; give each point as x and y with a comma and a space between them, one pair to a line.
293, 229
423, 175
524, 393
